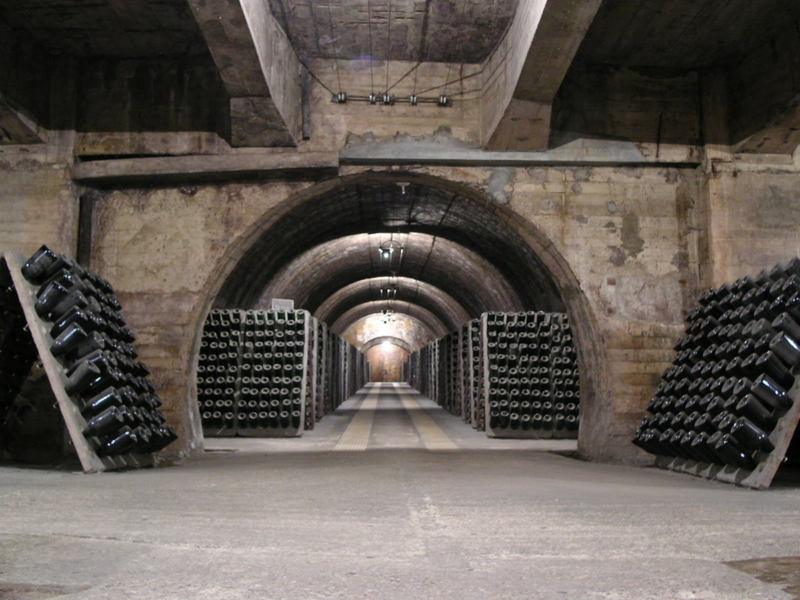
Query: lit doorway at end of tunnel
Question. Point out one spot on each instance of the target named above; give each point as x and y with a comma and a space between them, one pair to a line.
386, 362
387, 339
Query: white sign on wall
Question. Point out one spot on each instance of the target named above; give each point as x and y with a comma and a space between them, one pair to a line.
280, 304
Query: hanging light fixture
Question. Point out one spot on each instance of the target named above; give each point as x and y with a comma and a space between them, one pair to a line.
391, 254
389, 292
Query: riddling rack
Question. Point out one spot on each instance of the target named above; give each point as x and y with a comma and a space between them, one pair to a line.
518, 369
272, 373
727, 407
69, 317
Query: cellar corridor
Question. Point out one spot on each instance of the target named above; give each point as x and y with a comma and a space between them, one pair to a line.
387, 416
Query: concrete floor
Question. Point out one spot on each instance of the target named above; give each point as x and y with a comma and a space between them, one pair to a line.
296, 519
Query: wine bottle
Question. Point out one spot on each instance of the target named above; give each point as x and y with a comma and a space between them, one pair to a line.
36, 267
106, 399
787, 348
701, 449
729, 450
83, 376
769, 391
93, 341
123, 443
69, 340
773, 366
792, 306
108, 421
752, 408
750, 436
51, 296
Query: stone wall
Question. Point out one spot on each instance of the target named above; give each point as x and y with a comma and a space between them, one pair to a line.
386, 363
159, 248
640, 244
623, 232
754, 215
38, 202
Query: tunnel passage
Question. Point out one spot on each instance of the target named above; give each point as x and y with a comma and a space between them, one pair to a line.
397, 256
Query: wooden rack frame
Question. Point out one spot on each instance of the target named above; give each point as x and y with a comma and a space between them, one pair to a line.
759, 478
56, 374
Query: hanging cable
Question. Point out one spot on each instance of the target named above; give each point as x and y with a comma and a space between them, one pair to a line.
471, 75
452, 51
335, 52
388, 46
423, 44
371, 55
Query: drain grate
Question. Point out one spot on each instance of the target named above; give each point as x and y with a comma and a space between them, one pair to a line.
784, 571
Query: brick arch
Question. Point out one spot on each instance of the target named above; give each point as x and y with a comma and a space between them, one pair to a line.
541, 275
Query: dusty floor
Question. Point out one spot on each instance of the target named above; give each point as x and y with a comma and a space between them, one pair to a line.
474, 518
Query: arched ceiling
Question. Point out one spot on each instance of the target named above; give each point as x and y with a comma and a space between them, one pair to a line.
394, 341
318, 273
331, 240
409, 291
413, 332
425, 317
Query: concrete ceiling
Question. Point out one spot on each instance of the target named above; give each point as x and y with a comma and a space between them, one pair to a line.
451, 31
684, 34
107, 28
533, 62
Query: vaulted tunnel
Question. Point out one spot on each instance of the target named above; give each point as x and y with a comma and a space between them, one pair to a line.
451, 259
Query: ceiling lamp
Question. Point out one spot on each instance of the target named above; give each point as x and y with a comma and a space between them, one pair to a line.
389, 292
391, 253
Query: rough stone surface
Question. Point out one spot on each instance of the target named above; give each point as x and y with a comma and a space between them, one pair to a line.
406, 30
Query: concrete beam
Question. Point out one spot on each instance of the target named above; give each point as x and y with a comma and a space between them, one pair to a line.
259, 68
200, 169
581, 152
781, 134
764, 90
16, 128
537, 51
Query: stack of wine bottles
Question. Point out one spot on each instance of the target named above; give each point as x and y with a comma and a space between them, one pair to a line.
17, 349
464, 374
255, 372
218, 371
523, 371
475, 362
533, 383
90, 341
720, 402
448, 389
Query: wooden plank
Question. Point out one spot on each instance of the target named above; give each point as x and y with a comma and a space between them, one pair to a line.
57, 376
